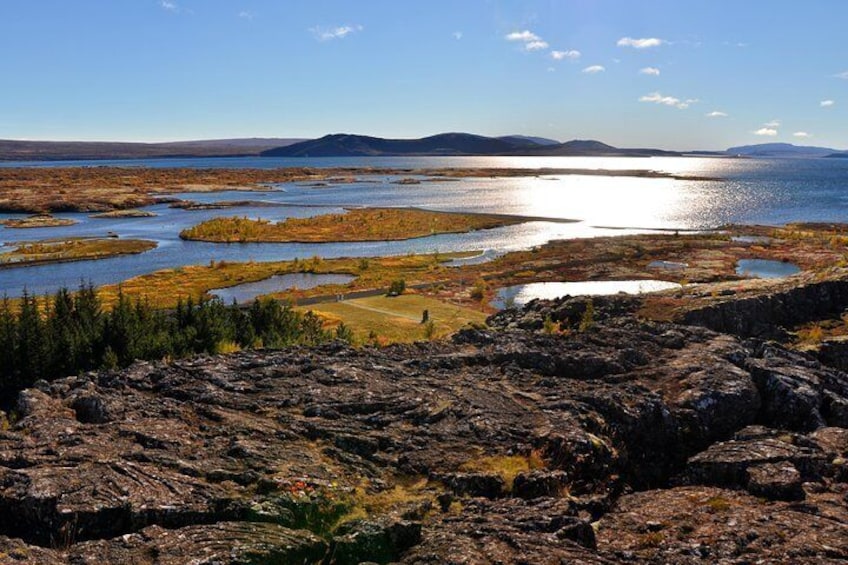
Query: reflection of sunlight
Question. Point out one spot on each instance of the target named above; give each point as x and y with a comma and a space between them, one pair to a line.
604, 201
673, 165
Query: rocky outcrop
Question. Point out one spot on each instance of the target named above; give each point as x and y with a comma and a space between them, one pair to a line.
767, 314
614, 440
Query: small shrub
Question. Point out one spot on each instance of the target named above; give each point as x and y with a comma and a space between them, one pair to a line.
397, 287
718, 504
344, 333
549, 326
587, 320
478, 292
227, 346
429, 330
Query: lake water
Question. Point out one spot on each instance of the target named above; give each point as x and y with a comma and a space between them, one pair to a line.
766, 268
752, 191
521, 294
247, 292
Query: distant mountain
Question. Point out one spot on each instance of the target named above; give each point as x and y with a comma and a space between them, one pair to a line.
15, 150
348, 145
783, 150
254, 143
450, 144
529, 139
841, 155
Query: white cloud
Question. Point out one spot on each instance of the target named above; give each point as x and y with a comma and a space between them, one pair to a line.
843, 75
772, 124
536, 45
642, 43
802, 134
339, 32
457, 35
532, 42
170, 6
826, 103
717, 114
652, 71
769, 132
525, 36
657, 98
594, 69
570, 54
245, 15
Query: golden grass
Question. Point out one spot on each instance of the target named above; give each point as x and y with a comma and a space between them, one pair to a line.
507, 466
51, 251
359, 224
397, 319
365, 502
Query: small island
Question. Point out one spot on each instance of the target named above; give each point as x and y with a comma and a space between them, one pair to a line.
128, 213
73, 249
359, 224
37, 221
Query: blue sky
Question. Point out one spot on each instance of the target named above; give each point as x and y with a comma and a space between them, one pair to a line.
685, 74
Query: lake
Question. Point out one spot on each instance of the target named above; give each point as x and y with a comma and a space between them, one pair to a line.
247, 292
767, 191
520, 294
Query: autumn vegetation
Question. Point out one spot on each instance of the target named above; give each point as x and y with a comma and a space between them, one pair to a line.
358, 224
98, 189
73, 249
37, 221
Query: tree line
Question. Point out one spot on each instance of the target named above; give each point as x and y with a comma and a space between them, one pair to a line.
72, 332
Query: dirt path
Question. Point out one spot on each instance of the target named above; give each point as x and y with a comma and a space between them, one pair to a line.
381, 311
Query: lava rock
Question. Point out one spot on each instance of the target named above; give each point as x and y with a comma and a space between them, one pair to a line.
775, 481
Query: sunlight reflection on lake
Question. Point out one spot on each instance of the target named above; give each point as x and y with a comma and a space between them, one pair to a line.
521, 294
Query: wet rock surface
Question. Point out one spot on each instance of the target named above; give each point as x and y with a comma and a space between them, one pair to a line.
621, 441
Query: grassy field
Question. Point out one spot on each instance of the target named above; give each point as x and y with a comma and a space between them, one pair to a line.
359, 224
396, 319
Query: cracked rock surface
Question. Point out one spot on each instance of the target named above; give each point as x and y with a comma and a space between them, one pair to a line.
632, 441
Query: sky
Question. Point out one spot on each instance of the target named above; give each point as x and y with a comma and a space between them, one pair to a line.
684, 74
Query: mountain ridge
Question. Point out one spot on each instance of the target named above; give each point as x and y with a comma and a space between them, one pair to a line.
24, 150
784, 150
354, 145
451, 144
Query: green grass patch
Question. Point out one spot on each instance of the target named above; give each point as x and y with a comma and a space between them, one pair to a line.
398, 318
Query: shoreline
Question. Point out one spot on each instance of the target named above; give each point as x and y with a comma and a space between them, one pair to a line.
39, 190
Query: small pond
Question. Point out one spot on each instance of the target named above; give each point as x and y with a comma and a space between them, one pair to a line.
765, 268
521, 294
247, 292
758, 239
667, 265
482, 257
